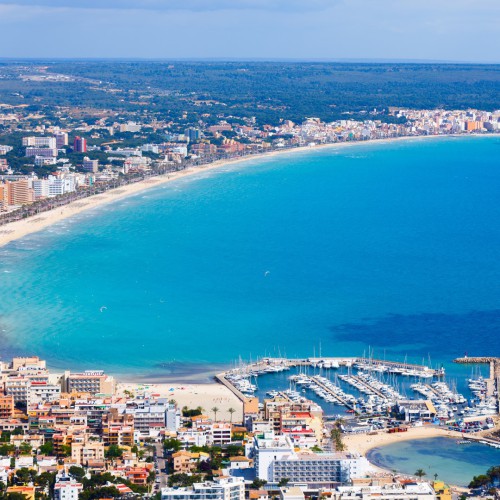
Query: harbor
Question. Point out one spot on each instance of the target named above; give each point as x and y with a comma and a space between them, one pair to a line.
364, 387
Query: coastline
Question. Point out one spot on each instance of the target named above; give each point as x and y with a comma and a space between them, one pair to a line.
19, 229
365, 443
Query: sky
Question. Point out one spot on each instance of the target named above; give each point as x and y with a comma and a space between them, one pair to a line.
445, 30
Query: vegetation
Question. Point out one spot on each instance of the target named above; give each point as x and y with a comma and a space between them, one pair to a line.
420, 473
184, 479
491, 479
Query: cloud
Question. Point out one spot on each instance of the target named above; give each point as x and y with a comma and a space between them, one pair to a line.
182, 5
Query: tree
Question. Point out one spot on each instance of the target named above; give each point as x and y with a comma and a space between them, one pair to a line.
47, 448
46, 480
24, 475
7, 449
113, 451
435, 476
336, 437
215, 410
420, 473
65, 450
231, 411
283, 481
257, 484
76, 472
172, 445
25, 449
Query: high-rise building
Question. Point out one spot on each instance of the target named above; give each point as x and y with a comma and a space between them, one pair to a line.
90, 165
80, 144
192, 134
61, 139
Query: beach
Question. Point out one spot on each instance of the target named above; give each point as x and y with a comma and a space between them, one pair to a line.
206, 396
18, 229
363, 443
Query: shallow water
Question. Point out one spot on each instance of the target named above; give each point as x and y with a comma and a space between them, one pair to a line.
394, 246
453, 463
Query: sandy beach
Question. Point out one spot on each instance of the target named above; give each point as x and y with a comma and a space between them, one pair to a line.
207, 396
362, 443
18, 229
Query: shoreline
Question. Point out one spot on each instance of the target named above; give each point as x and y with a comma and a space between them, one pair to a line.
16, 230
366, 443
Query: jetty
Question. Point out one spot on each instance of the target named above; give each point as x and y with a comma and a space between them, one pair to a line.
493, 382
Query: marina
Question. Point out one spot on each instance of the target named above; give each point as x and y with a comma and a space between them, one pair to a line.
364, 386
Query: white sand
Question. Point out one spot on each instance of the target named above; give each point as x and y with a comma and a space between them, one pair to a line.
207, 396
362, 443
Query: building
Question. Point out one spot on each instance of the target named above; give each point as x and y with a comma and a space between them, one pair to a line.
42, 392
378, 489
292, 493
61, 139
275, 459
267, 448
20, 192
318, 470
66, 488
90, 165
187, 462
42, 152
412, 410
6, 406
192, 134
27, 491
222, 488
93, 382
85, 450
80, 144
220, 433
40, 142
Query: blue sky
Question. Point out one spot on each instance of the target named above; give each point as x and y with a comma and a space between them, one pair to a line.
455, 30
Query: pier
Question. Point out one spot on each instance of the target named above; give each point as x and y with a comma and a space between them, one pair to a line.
338, 398
493, 383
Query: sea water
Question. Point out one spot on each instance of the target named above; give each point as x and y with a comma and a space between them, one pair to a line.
392, 247
453, 463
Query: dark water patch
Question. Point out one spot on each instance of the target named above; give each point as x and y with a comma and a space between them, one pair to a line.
475, 332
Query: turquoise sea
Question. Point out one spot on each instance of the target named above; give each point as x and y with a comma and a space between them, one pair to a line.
394, 246
453, 463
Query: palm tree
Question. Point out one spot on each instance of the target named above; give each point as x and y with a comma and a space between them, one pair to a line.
231, 411
435, 476
420, 473
215, 410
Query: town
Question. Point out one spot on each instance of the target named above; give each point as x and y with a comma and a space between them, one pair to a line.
44, 165
84, 435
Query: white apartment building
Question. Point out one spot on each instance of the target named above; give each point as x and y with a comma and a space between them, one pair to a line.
266, 449
40, 392
154, 415
220, 433
318, 470
222, 488
392, 491
67, 488
276, 459
40, 142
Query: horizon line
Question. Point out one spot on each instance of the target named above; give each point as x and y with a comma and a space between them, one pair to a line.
254, 59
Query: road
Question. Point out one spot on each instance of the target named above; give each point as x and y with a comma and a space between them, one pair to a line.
160, 468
